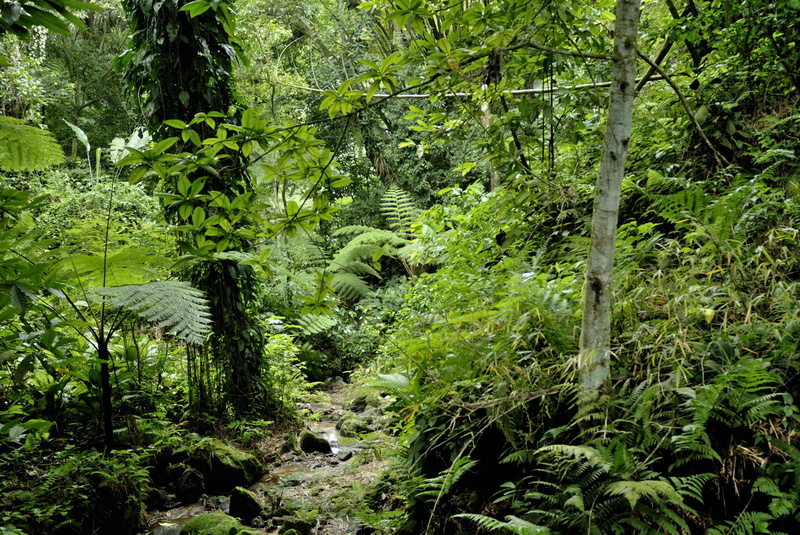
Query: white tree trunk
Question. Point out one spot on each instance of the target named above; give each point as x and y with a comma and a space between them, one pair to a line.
595, 355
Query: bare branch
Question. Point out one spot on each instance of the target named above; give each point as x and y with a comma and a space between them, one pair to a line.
721, 161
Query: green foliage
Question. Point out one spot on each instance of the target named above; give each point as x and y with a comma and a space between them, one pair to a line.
512, 524
78, 490
285, 369
179, 62
433, 489
20, 18
398, 208
172, 305
24, 147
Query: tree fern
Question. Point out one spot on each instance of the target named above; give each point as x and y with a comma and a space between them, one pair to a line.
127, 265
173, 305
26, 148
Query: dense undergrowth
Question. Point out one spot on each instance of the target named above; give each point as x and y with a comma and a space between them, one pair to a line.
433, 250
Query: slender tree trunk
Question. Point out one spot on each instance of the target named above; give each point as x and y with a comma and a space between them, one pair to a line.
486, 121
595, 353
104, 356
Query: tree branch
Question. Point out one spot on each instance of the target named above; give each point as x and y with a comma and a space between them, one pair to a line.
721, 161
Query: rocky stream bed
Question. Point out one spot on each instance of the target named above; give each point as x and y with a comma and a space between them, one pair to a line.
319, 481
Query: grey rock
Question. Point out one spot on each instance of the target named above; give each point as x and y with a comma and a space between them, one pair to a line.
168, 530
191, 485
222, 503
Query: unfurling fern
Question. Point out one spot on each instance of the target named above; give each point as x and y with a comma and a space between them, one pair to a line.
26, 148
173, 305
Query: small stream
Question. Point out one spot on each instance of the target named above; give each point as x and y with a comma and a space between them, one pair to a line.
170, 520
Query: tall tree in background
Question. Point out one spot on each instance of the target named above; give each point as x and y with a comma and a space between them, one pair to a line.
179, 64
595, 348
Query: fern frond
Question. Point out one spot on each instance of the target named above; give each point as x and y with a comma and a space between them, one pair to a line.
513, 524
633, 491
747, 523
315, 323
692, 486
128, 265
360, 268
350, 286
567, 451
26, 148
352, 230
395, 383
433, 488
520, 457
173, 305
398, 208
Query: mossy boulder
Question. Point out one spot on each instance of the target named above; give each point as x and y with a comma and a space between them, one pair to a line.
361, 399
298, 525
310, 442
351, 425
244, 504
226, 467
215, 524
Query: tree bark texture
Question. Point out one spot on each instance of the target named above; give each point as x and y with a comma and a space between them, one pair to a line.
595, 354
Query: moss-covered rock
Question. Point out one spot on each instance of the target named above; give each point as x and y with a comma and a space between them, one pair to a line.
225, 467
351, 425
244, 504
301, 526
215, 524
310, 442
360, 399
